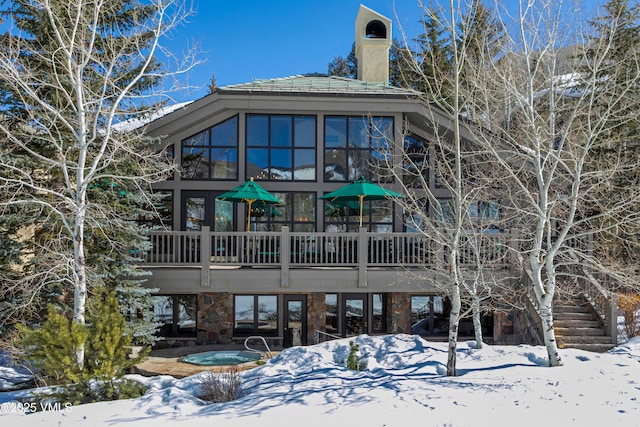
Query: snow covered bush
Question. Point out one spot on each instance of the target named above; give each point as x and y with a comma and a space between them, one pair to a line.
217, 387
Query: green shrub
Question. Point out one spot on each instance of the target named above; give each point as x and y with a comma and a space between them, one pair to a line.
353, 361
52, 350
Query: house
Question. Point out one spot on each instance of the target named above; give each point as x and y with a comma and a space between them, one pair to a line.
305, 269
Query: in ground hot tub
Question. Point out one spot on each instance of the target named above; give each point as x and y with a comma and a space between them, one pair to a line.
221, 358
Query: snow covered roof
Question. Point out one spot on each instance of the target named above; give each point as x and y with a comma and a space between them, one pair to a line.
144, 120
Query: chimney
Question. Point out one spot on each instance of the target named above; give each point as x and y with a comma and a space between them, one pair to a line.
373, 41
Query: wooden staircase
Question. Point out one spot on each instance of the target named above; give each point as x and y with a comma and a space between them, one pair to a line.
577, 326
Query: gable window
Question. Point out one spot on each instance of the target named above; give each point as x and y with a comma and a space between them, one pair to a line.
357, 146
213, 153
281, 147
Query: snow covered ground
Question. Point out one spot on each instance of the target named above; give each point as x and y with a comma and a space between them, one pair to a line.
404, 385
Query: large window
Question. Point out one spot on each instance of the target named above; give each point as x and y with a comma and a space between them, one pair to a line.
379, 313
486, 214
357, 146
176, 315
281, 147
255, 314
298, 211
213, 153
444, 211
429, 315
377, 216
416, 162
200, 208
331, 313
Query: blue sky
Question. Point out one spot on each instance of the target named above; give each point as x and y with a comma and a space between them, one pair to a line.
244, 40
258, 39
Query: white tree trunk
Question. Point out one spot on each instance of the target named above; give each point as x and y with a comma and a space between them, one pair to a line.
477, 325
454, 322
546, 315
80, 284
78, 124
544, 296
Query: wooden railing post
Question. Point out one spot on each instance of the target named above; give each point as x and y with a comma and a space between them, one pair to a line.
612, 317
363, 252
205, 256
285, 256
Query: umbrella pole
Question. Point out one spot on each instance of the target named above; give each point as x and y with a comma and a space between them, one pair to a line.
361, 200
249, 202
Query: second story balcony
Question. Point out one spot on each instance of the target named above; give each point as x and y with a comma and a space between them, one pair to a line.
283, 255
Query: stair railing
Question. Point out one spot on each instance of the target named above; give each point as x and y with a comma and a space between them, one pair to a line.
254, 350
317, 334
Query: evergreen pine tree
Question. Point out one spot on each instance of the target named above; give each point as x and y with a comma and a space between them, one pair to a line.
616, 45
344, 67
108, 342
52, 347
212, 84
433, 53
82, 182
480, 40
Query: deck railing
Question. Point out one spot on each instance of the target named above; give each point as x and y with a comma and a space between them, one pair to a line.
296, 249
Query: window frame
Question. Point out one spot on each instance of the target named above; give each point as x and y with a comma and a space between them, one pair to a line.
273, 147
353, 148
272, 223
208, 148
255, 329
175, 328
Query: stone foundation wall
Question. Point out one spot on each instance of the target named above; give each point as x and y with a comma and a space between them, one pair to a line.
215, 317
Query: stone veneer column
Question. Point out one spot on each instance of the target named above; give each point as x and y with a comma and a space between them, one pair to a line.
215, 317
316, 314
399, 313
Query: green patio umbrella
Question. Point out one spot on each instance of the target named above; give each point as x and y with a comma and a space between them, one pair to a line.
360, 190
248, 193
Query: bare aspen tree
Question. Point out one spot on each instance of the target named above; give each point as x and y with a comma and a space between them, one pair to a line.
532, 119
71, 71
444, 211
554, 121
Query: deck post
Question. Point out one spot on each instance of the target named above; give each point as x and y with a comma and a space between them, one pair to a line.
285, 256
612, 317
363, 252
205, 256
